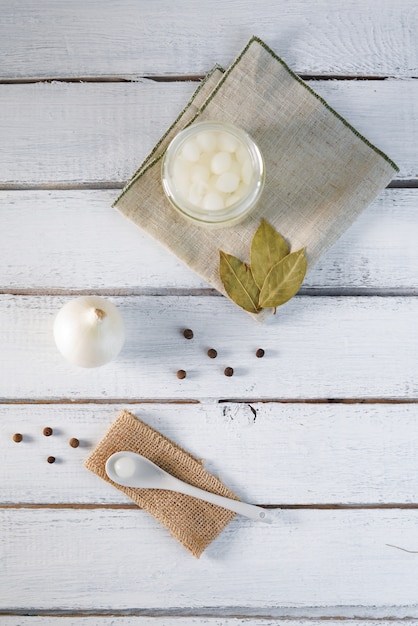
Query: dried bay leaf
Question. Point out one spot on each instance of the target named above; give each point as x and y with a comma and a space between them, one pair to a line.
239, 283
273, 277
284, 280
267, 249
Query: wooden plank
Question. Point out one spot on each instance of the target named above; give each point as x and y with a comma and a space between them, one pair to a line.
330, 347
377, 253
83, 133
70, 559
72, 133
268, 453
125, 38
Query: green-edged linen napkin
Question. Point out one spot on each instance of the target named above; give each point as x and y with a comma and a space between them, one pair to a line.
320, 172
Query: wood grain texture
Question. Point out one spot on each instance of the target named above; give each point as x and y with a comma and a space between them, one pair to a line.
315, 348
87, 245
267, 453
125, 38
73, 547
72, 133
62, 559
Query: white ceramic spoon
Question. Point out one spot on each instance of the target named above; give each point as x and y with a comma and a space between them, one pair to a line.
133, 470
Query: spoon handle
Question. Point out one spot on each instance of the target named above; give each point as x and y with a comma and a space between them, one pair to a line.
248, 510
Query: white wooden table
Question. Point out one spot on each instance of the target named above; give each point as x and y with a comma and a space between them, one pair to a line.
324, 428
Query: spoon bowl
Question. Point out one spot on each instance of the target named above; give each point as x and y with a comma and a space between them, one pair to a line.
134, 470
130, 469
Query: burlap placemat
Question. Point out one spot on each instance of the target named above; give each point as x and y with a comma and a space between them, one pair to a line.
320, 172
193, 522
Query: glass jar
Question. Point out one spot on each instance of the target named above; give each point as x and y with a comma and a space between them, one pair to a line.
213, 173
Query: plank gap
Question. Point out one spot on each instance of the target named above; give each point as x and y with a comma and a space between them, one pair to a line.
404, 183
279, 614
274, 507
411, 183
307, 77
241, 613
175, 78
175, 292
104, 401
171, 78
319, 400
114, 185
100, 401
193, 401
115, 292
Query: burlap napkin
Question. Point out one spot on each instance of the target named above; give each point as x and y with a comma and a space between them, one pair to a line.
320, 172
193, 522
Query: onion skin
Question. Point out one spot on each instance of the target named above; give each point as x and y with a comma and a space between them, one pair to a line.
89, 331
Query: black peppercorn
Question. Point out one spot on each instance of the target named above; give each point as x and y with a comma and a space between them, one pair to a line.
229, 371
181, 374
212, 353
188, 333
74, 443
17, 437
260, 353
51, 459
47, 431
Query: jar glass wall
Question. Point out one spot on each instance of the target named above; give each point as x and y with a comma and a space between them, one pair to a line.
213, 173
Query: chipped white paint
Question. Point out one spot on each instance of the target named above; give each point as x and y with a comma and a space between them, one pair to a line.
95, 133
324, 347
130, 38
268, 453
311, 563
60, 558
378, 252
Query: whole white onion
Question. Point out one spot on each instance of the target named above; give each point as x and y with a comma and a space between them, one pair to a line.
89, 331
